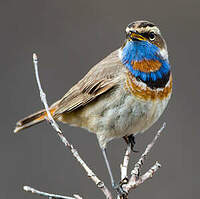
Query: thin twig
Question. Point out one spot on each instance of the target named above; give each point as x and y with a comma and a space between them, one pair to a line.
49, 195
76, 196
135, 173
148, 174
124, 165
100, 184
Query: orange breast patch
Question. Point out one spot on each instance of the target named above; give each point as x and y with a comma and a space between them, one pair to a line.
147, 93
146, 65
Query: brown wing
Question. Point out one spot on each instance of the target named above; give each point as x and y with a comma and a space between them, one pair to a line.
101, 78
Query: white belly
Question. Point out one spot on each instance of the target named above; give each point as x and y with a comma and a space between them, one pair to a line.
119, 114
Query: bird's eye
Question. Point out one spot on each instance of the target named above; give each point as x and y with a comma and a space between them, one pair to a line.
152, 36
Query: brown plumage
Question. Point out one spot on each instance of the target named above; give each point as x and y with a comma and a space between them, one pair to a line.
101, 78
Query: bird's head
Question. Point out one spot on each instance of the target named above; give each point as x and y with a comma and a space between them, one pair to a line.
145, 31
145, 54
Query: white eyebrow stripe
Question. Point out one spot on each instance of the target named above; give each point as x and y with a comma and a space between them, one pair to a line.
146, 29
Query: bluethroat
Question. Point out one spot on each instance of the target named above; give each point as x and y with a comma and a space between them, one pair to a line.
122, 95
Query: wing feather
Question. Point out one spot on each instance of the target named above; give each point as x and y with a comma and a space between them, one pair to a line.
101, 78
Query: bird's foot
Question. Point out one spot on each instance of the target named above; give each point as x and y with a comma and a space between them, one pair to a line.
118, 188
131, 141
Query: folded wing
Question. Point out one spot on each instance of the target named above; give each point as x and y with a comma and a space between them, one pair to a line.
101, 78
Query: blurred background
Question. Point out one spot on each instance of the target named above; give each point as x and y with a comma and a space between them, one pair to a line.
70, 37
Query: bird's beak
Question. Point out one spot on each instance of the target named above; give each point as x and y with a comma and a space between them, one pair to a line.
135, 36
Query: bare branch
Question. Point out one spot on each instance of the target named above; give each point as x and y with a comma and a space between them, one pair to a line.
90, 173
135, 173
148, 174
49, 195
76, 196
124, 165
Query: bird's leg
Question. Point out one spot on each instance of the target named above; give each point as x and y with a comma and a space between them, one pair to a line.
130, 140
115, 186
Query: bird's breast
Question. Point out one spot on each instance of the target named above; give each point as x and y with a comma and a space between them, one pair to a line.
117, 113
143, 92
123, 113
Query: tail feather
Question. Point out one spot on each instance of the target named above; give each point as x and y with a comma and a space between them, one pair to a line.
31, 120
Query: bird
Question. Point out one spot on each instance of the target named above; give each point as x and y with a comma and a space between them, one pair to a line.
122, 95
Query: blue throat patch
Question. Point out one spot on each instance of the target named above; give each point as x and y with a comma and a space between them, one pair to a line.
143, 50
